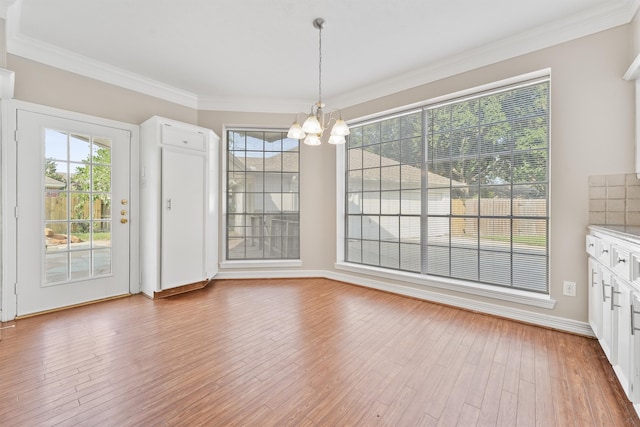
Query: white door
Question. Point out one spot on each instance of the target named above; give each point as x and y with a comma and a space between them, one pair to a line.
183, 226
73, 181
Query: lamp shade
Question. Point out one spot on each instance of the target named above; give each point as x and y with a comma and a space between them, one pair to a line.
312, 139
312, 125
336, 139
340, 128
295, 131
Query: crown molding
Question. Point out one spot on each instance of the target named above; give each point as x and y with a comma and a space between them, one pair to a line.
66, 60
552, 34
526, 42
263, 105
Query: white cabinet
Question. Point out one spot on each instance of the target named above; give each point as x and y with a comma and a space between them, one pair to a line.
179, 209
635, 349
607, 329
614, 301
621, 308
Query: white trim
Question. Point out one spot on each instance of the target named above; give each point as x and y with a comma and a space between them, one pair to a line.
263, 105
275, 263
472, 288
576, 26
633, 72
9, 196
241, 263
340, 200
8, 154
476, 91
538, 319
270, 274
66, 60
45, 53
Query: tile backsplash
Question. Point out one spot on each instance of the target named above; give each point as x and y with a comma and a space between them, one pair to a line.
614, 199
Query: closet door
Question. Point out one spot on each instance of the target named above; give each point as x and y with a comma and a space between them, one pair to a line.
183, 217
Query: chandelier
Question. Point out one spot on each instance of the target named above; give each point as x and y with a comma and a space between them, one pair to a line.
314, 125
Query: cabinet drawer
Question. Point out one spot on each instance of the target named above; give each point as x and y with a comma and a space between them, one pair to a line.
592, 243
621, 262
603, 252
184, 138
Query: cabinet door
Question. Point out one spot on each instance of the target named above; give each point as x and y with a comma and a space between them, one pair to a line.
183, 217
634, 315
621, 304
595, 298
607, 332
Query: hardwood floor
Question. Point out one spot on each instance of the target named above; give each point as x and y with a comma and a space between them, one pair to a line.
301, 352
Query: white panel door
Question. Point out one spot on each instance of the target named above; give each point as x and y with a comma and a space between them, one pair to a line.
183, 223
73, 183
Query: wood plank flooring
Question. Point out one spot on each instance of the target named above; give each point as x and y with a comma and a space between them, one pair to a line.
303, 352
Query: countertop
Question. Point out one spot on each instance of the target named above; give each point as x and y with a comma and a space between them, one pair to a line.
626, 232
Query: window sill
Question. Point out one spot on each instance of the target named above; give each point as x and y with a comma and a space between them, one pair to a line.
275, 263
479, 289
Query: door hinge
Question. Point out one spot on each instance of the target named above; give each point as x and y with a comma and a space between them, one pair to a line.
15, 135
15, 288
15, 211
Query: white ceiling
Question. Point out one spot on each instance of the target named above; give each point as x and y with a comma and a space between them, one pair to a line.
262, 55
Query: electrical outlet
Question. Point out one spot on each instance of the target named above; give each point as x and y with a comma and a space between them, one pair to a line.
569, 288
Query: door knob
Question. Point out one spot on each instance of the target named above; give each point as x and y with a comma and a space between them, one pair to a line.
124, 220
123, 212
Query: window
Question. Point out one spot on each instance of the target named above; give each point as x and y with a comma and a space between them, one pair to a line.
457, 189
77, 206
263, 213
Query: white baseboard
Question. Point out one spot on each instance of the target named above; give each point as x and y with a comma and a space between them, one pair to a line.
544, 320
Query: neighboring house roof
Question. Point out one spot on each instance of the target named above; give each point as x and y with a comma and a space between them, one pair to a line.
53, 183
359, 159
275, 162
368, 161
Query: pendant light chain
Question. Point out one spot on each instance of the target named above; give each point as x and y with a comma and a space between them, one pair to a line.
320, 66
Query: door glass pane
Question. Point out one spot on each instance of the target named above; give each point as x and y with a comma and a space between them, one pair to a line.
101, 262
77, 206
55, 205
55, 235
79, 147
80, 265
101, 234
56, 267
55, 145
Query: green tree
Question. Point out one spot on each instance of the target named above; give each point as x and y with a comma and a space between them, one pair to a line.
51, 171
94, 176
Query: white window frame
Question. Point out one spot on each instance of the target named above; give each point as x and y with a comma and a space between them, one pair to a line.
245, 264
474, 288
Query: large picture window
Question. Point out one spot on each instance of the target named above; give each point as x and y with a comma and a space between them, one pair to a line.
262, 213
456, 189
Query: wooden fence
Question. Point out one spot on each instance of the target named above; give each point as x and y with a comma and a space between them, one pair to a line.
55, 208
499, 227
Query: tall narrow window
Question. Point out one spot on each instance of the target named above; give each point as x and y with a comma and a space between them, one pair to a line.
263, 210
458, 189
